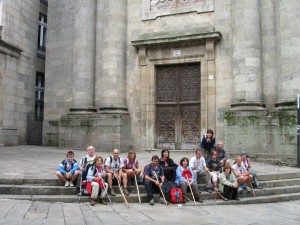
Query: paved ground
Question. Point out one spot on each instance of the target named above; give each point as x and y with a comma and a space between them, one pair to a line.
41, 162
34, 213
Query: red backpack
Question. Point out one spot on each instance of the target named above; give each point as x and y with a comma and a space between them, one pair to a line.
176, 195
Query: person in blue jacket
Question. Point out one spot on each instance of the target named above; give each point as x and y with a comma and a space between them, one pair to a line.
67, 170
185, 178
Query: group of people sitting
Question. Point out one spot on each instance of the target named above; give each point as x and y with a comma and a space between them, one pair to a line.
100, 176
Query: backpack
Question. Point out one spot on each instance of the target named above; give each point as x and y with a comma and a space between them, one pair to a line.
167, 186
176, 195
86, 169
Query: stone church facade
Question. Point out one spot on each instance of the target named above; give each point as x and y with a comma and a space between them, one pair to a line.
158, 73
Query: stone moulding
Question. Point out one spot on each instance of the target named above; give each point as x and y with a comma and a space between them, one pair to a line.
10, 49
172, 39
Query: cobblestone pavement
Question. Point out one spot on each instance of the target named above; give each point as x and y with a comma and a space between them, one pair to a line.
34, 213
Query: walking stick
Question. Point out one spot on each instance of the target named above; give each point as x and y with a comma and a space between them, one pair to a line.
252, 189
122, 192
190, 189
160, 189
137, 188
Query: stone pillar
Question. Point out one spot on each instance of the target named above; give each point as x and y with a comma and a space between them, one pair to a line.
247, 77
288, 32
112, 91
84, 56
269, 54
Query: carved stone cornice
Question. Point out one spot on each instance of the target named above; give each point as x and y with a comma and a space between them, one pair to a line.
162, 39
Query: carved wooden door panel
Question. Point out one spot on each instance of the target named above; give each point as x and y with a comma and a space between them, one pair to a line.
178, 106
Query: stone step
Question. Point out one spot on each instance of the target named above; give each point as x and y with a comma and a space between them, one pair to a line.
119, 199
280, 183
56, 182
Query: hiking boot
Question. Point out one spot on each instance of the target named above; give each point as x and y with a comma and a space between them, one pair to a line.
111, 192
71, 184
102, 201
92, 202
67, 184
151, 202
199, 200
161, 200
125, 191
259, 187
237, 198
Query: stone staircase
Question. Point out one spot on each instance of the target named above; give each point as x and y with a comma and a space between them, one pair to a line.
276, 188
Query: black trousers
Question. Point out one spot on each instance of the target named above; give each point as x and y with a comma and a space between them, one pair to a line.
170, 174
230, 192
151, 188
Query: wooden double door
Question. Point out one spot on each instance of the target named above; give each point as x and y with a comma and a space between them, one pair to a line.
178, 106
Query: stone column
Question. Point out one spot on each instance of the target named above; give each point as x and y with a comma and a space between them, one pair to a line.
112, 92
247, 77
269, 54
84, 56
288, 49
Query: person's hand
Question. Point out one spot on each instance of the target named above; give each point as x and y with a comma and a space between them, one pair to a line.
160, 184
235, 185
157, 183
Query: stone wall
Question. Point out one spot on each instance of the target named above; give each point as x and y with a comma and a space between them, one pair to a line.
265, 137
17, 68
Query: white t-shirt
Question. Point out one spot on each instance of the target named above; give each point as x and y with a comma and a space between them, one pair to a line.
88, 159
200, 163
114, 165
239, 169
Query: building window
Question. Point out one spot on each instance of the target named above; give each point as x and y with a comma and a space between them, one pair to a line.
42, 36
39, 96
1, 3
44, 1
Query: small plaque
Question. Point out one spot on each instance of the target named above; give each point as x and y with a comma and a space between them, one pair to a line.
211, 77
176, 53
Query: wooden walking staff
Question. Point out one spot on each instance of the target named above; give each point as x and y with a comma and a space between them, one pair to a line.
137, 188
190, 188
160, 189
122, 192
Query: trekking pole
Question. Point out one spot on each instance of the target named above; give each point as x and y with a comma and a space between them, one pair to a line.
160, 189
107, 193
122, 193
80, 187
252, 188
137, 188
190, 189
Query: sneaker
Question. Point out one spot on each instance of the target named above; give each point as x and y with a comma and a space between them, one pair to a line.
240, 189
71, 184
92, 202
152, 202
199, 200
112, 192
209, 190
161, 200
125, 191
225, 199
248, 189
67, 184
243, 186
